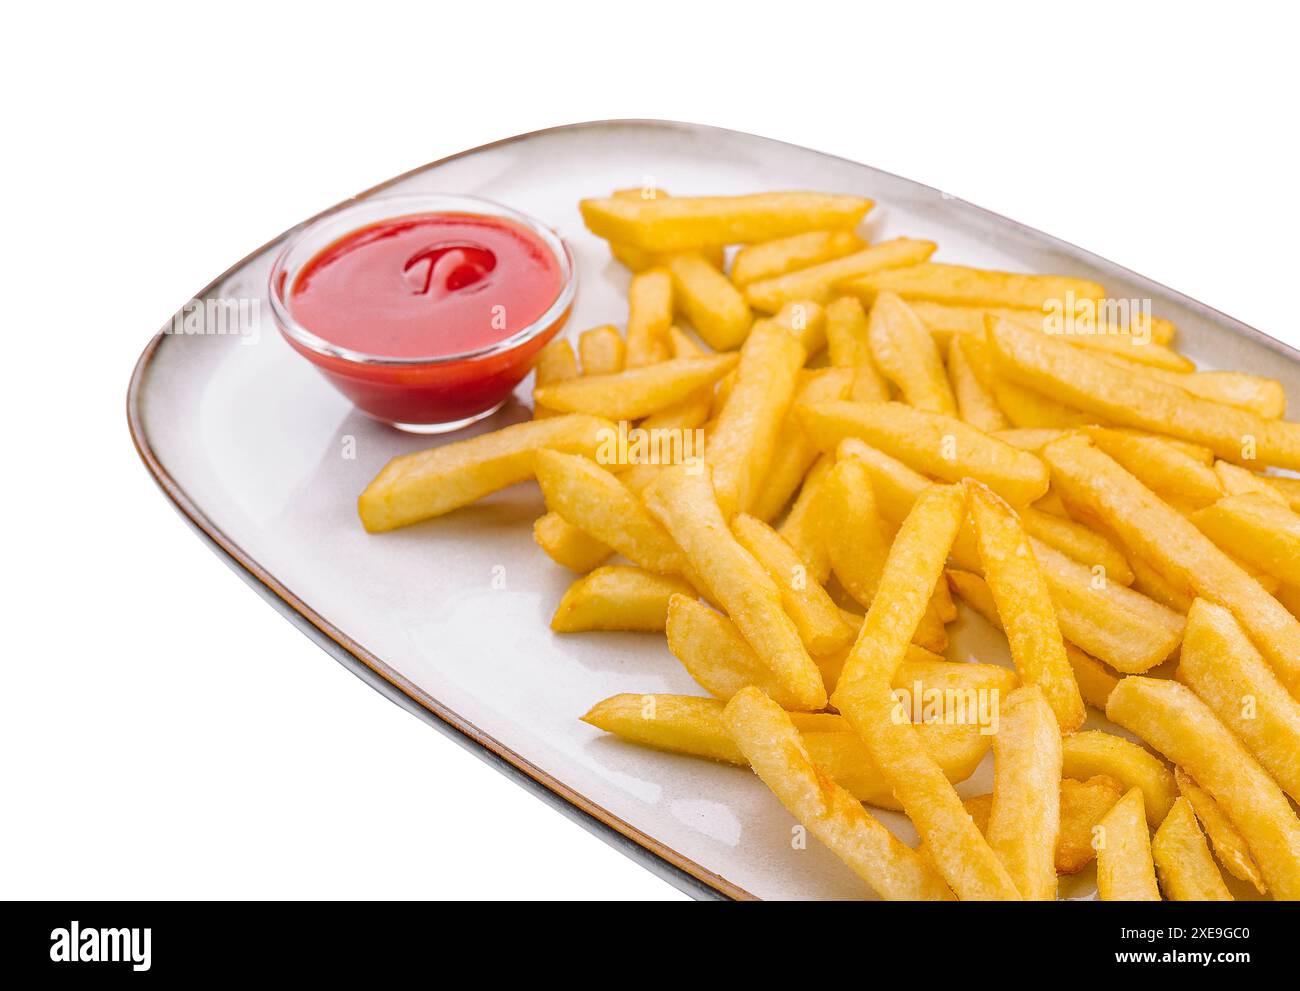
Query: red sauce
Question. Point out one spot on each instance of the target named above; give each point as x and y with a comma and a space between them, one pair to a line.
429, 285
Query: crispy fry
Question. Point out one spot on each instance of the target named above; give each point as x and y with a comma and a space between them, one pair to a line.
714, 307
1025, 606
1125, 870
963, 286
602, 350
1161, 466
555, 363
1262, 396
947, 321
742, 442
687, 223
818, 282
1229, 847
568, 546
600, 504
1260, 530
1079, 543
806, 320
1172, 719
1025, 821
850, 347
821, 627
937, 445
904, 352
638, 260
1130, 398
617, 598
771, 259
766, 736
686, 505
424, 484
637, 392
794, 453
800, 527
976, 404
649, 315
1187, 871
1094, 752
863, 695
1180, 551
1083, 805
683, 724
1221, 665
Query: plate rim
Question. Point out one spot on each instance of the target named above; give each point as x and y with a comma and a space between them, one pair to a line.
657, 856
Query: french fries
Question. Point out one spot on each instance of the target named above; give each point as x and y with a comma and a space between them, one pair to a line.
686, 505
770, 259
1024, 606
905, 353
818, 282
1180, 551
617, 598
1114, 512
1172, 719
425, 484
1025, 820
1187, 871
937, 445
1125, 869
743, 440
687, 223
767, 738
638, 391
1221, 665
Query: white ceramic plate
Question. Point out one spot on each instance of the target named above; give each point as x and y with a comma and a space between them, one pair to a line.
251, 445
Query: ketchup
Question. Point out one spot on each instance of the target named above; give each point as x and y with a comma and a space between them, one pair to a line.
423, 298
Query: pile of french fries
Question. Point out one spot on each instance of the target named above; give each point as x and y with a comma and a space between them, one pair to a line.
883, 432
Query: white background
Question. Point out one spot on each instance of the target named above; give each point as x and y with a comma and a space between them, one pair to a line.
163, 733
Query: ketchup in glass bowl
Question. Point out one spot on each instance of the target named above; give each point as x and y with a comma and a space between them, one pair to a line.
426, 310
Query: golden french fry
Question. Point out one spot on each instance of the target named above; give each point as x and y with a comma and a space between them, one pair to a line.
1122, 627
1289, 488
1161, 466
649, 315
932, 443
555, 363
818, 282
1093, 752
638, 260
1227, 842
1236, 480
863, 695
794, 453
770, 259
714, 307
637, 392
1083, 805
904, 352
962, 286
806, 320
742, 442
1125, 869
801, 528
850, 347
682, 724
1130, 398
1146, 354
683, 345
1164, 538
1220, 664
424, 484
686, 505
1172, 719
1025, 820
1079, 543
769, 740
1260, 530
1254, 393
568, 546
976, 404
600, 504
1030, 438
1187, 871
1024, 606
687, 223
821, 627
602, 350
617, 598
